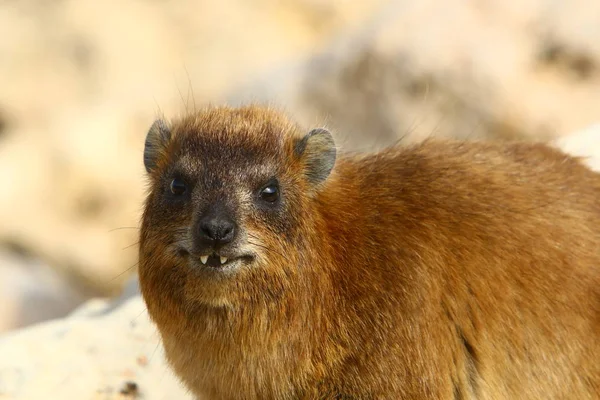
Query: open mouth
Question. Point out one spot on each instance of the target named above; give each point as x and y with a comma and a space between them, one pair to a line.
216, 261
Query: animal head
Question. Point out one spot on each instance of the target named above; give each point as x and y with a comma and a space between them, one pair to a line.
231, 196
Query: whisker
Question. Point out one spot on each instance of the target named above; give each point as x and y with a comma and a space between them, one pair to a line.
252, 235
124, 227
266, 248
132, 322
131, 245
261, 245
183, 102
128, 269
190, 88
154, 352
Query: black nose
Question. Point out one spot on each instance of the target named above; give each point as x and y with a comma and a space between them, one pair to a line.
215, 229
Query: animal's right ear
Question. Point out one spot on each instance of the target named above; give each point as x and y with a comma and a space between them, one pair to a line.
157, 139
318, 153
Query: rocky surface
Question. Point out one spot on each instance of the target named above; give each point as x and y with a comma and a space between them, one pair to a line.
31, 291
584, 144
500, 69
103, 351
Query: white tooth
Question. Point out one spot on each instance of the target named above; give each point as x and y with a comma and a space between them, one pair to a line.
223, 260
204, 259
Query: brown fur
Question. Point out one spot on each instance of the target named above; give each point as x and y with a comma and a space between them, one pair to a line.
440, 271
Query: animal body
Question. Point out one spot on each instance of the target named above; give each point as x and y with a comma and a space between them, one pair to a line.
277, 267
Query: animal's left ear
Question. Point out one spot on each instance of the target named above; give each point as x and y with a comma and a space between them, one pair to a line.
157, 139
318, 153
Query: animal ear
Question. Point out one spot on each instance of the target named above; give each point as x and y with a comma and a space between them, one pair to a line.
157, 139
318, 153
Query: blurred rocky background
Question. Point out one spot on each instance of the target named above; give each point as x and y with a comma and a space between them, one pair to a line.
82, 80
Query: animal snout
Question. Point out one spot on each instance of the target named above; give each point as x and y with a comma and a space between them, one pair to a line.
215, 229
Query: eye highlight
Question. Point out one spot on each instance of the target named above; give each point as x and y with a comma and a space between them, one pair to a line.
270, 193
178, 187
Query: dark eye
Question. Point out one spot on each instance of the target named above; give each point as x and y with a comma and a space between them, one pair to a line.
178, 187
270, 193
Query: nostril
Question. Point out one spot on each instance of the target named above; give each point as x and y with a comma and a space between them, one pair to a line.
207, 231
227, 233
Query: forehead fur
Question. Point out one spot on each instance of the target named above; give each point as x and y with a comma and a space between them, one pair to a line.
235, 134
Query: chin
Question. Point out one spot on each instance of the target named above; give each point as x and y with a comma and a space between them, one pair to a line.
211, 289
217, 285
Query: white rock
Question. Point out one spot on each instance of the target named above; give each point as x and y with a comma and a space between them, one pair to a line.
585, 144
32, 292
90, 355
506, 69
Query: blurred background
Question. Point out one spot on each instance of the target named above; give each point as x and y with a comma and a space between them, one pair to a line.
82, 80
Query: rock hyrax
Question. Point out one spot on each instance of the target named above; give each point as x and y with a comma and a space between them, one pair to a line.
277, 268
